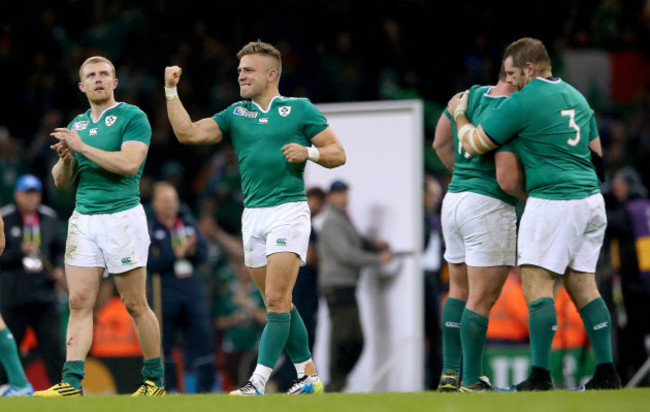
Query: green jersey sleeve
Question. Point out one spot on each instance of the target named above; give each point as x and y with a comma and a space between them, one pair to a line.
223, 119
593, 129
314, 121
506, 121
138, 129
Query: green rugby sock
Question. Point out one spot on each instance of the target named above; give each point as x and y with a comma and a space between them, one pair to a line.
274, 338
473, 331
452, 313
73, 373
542, 322
11, 360
153, 370
598, 324
297, 345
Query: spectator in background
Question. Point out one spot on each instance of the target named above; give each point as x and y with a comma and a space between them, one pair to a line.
32, 266
509, 315
240, 316
18, 384
305, 291
177, 248
629, 228
12, 164
431, 263
342, 254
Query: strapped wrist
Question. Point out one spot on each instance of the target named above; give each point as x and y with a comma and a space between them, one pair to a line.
313, 154
171, 93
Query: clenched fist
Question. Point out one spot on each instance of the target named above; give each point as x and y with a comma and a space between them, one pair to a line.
295, 153
172, 76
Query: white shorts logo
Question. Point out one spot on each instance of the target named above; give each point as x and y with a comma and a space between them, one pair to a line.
110, 120
284, 110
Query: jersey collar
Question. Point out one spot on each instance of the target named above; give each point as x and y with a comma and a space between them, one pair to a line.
90, 114
270, 104
552, 80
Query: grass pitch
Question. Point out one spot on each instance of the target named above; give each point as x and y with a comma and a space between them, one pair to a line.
627, 400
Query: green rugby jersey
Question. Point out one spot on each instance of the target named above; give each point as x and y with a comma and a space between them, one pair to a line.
554, 125
477, 173
268, 179
99, 190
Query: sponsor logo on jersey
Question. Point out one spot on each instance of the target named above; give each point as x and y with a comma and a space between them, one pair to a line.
455, 325
264, 120
80, 125
93, 131
240, 111
110, 120
284, 110
281, 241
600, 326
126, 260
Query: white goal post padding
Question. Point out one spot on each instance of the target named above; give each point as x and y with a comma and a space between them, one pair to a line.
383, 142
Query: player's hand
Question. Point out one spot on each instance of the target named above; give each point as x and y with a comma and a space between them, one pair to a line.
386, 256
70, 138
458, 104
2, 242
295, 153
172, 76
62, 150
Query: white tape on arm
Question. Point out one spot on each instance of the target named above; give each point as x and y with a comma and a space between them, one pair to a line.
171, 93
313, 154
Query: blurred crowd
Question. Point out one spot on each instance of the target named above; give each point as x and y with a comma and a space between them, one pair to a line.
333, 51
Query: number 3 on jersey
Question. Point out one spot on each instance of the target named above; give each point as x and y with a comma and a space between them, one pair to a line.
572, 124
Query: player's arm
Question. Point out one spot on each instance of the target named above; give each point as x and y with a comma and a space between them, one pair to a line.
443, 142
510, 174
205, 131
65, 170
474, 139
126, 161
596, 151
328, 151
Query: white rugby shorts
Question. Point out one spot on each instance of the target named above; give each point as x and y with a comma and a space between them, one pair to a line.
556, 234
274, 229
118, 241
479, 230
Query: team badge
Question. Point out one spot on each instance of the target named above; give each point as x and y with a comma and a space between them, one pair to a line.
110, 120
80, 125
284, 110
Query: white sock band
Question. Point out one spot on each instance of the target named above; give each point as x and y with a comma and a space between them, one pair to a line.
300, 367
261, 375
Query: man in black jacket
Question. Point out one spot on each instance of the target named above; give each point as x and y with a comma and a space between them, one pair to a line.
176, 249
32, 264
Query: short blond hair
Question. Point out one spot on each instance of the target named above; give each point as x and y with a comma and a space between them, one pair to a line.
265, 49
93, 60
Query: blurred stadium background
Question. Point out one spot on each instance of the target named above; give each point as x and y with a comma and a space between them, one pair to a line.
333, 51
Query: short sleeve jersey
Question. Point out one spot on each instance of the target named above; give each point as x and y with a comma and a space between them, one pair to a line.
99, 190
258, 136
553, 124
477, 173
